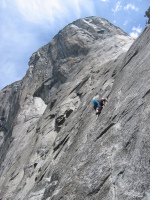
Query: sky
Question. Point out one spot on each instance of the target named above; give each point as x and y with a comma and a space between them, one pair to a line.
27, 25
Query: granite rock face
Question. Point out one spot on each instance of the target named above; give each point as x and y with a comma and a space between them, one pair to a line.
51, 145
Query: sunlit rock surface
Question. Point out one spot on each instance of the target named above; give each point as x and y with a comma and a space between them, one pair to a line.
51, 145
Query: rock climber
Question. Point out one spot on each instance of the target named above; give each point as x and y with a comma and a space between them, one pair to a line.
98, 104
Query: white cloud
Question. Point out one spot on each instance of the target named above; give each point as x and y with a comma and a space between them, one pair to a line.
39, 11
134, 35
3, 4
135, 32
125, 23
105, 0
117, 7
137, 29
130, 6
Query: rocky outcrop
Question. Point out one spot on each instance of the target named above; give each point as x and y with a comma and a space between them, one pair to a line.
52, 147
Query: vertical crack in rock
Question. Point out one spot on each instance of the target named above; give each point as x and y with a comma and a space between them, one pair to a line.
134, 54
146, 94
98, 188
104, 131
79, 85
60, 146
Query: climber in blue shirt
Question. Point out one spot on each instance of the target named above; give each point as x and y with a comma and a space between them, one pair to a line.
98, 104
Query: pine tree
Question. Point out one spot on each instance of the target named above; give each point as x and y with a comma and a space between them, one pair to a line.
147, 14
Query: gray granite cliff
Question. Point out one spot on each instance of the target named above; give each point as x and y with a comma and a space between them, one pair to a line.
51, 146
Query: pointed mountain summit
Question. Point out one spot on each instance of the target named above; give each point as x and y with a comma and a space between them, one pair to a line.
51, 145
